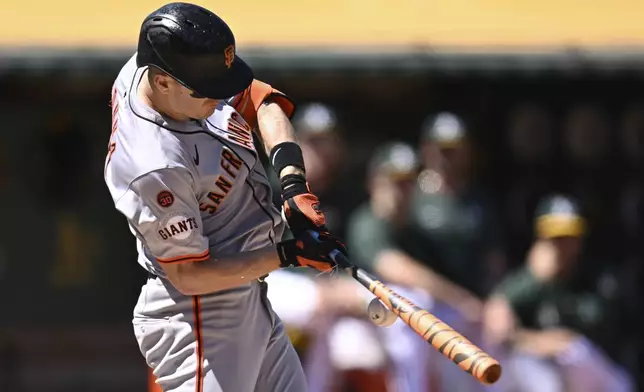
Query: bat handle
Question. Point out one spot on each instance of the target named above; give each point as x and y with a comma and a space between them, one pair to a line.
343, 262
338, 257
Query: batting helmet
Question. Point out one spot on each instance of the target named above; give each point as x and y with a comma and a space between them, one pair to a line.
195, 47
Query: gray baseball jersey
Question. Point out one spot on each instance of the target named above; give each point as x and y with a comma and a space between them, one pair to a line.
192, 191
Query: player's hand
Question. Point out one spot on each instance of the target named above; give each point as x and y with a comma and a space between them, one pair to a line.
310, 248
301, 207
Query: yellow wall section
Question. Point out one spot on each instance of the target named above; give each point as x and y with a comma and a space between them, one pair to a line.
340, 22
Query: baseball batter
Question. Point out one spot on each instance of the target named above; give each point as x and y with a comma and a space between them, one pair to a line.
183, 170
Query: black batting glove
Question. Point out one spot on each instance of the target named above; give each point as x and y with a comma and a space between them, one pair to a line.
311, 248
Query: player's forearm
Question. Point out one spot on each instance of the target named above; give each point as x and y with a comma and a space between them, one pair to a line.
275, 128
221, 274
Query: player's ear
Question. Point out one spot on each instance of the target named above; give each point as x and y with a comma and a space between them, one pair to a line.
162, 82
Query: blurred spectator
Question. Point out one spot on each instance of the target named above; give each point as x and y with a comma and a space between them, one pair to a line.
557, 317
326, 159
455, 214
382, 237
587, 135
589, 171
4, 181
532, 156
66, 175
328, 327
632, 211
530, 135
325, 318
4, 163
632, 134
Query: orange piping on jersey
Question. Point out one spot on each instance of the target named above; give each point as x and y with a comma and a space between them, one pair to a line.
115, 109
152, 385
186, 258
196, 306
239, 99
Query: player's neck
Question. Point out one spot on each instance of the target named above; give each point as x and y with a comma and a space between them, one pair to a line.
157, 101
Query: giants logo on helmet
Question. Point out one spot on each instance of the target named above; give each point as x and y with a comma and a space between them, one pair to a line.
229, 55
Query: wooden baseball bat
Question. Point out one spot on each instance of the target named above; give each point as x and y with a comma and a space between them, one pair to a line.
441, 336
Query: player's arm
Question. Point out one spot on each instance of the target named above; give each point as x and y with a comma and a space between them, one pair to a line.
274, 126
164, 211
301, 206
216, 274
261, 103
268, 111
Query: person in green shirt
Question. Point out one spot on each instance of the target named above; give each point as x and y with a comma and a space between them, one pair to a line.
382, 238
555, 319
455, 213
325, 316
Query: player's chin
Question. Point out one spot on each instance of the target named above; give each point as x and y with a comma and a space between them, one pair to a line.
204, 113
210, 109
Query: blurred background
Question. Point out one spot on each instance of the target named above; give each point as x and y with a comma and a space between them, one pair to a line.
518, 167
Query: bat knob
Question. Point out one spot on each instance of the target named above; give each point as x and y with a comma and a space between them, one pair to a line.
379, 314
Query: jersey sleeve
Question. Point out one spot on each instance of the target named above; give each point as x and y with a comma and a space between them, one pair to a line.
247, 103
162, 208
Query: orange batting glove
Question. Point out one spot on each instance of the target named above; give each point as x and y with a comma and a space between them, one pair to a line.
301, 207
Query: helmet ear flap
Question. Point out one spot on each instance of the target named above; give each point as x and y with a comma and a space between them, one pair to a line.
158, 33
157, 28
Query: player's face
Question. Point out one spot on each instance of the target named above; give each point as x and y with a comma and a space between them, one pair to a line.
187, 103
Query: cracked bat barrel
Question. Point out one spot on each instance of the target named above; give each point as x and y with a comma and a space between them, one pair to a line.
441, 336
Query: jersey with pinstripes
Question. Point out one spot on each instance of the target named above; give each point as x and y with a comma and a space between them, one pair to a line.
191, 191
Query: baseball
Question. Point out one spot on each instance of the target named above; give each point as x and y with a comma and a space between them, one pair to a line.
379, 314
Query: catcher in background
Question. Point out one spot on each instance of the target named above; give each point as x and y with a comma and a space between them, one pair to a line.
556, 319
